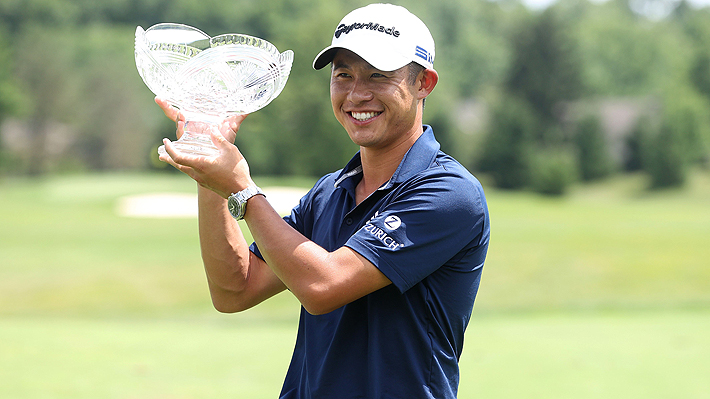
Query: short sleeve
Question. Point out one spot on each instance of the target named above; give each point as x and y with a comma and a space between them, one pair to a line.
425, 225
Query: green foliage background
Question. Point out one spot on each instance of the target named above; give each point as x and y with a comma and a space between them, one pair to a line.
68, 74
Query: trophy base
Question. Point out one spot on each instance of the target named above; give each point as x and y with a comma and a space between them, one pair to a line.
194, 144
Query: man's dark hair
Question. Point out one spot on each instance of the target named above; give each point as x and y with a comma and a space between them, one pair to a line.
414, 70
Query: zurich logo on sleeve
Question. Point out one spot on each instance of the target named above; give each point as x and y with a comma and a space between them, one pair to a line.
392, 222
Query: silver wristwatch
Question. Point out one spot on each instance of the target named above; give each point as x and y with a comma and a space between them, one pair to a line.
237, 202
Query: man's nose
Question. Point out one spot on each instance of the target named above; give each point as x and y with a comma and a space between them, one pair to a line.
360, 92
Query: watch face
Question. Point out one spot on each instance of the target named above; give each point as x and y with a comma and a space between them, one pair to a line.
233, 206
237, 203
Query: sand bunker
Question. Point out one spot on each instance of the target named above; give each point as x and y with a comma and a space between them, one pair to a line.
181, 205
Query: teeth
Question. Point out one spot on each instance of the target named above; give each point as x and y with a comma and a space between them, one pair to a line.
363, 116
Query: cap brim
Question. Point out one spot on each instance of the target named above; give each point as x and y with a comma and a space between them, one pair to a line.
325, 57
383, 62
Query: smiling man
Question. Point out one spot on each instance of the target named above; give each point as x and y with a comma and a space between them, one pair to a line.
385, 255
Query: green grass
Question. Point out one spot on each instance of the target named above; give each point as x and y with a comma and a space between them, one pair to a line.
614, 355
611, 245
65, 250
578, 355
604, 293
127, 358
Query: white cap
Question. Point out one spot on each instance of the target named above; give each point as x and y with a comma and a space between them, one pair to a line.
385, 35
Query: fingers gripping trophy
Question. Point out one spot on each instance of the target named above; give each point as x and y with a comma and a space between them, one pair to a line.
209, 78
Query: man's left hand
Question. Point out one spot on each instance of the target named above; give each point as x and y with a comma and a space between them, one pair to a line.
224, 173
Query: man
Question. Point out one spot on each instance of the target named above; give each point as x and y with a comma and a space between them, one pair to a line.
385, 255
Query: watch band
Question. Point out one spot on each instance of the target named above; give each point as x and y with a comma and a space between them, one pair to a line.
237, 202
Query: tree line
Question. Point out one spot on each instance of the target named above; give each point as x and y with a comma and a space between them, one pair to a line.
525, 96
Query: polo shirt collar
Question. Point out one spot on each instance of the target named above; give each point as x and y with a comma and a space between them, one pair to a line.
417, 159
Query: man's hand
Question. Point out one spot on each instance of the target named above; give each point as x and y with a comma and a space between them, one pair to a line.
225, 173
171, 112
229, 127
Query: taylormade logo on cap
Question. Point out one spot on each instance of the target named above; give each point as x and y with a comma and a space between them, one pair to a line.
371, 26
385, 35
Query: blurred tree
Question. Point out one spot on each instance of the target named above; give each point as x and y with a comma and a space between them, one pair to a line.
635, 145
113, 128
665, 161
688, 114
696, 25
44, 71
621, 53
546, 68
553, 170
12, 99
523, 147
510, 143
471, 51
700, 73
677, 144
592, 149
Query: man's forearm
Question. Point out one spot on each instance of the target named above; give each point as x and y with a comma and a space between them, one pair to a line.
321, 280
225, 252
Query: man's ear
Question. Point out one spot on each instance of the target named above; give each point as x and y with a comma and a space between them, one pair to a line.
426, 82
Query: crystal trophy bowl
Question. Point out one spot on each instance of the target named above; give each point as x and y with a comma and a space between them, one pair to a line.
209, 78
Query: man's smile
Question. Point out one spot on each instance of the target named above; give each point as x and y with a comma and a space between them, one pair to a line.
364, 116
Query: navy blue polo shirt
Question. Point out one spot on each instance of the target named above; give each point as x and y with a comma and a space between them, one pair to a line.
427, 230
